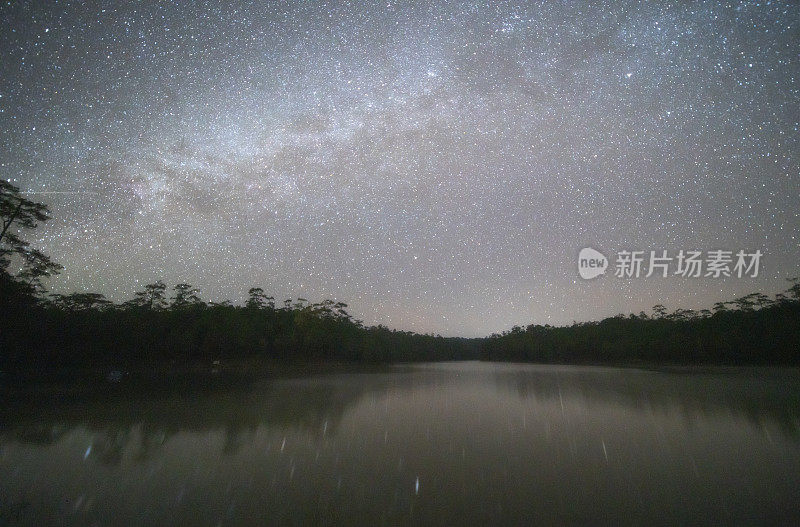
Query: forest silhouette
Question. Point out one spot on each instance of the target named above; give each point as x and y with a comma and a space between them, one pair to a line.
161, 325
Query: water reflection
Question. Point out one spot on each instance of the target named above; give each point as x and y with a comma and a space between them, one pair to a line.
444, 443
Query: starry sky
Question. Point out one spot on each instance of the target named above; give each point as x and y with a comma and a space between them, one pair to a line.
437, 165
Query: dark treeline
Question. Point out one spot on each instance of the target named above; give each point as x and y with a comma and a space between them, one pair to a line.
86, 329
753, 329
41, 330
174, 325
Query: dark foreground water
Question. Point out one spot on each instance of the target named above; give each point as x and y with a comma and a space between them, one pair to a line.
447, 444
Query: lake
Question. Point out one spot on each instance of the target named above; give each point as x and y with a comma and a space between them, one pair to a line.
432, 444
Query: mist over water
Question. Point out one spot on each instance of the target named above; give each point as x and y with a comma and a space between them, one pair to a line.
449, 443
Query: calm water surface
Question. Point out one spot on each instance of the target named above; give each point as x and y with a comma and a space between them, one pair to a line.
447, 444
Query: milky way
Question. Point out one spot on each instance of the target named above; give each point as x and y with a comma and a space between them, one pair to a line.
436, 165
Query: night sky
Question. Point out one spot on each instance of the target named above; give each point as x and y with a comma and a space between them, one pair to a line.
437, 165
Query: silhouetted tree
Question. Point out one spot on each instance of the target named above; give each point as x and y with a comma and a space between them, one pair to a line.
153, 297
720, 306
184, 295
16, 214
79, 301
257, 299
745, 303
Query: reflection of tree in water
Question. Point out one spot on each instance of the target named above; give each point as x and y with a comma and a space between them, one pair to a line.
141, 423
37, 433
760, 396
